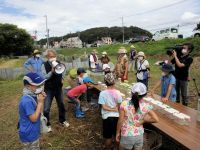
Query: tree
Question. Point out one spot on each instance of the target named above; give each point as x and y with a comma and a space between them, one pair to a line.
14, 41
94, 34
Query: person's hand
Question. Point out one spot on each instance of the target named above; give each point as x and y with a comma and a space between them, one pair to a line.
53, 69
41, 97
118, 137
164, 99
174, 54
139, 123
116, 109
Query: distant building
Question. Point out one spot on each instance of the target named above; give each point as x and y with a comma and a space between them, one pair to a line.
73, 42
106, 40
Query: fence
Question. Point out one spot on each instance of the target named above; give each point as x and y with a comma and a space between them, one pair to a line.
13, 73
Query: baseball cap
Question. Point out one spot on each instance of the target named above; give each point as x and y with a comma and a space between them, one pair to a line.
109, 78
167, 68
139, 88
34, 79
88, 80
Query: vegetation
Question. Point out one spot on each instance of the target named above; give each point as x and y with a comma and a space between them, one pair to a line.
94, 34
14, 41
150, 48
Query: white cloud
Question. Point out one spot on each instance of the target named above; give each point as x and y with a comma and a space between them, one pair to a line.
189, 16
66, 16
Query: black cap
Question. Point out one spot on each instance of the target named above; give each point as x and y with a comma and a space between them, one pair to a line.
80, 70
167, 68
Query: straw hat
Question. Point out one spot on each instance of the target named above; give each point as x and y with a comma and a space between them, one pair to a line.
104, 53
36, 51
141, 54
132, 46
122, 50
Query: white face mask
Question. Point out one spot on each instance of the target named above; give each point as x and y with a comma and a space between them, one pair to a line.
37, 55
39, 90
164, 73
184, 51
52, 59
140, 58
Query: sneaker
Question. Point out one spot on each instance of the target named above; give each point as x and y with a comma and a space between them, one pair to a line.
49, 129
65, 124
84, 109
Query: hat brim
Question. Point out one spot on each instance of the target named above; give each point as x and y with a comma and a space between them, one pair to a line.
167, 70
32, 83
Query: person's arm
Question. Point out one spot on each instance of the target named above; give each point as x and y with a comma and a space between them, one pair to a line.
27, 65
178, 63
126, 70
107, 108
150, 117
156, 86
40, 98
119, 124
166, 98
46, 75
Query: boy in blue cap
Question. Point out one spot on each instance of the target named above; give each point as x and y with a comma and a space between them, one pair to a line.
76, 92
168, 84
30, 107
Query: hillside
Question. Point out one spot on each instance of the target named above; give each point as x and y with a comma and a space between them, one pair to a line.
150, 48
93, 34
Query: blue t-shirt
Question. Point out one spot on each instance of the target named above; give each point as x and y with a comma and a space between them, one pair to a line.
166, 81
111, 98
28, 131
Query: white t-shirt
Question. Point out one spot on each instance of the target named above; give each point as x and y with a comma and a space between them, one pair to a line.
141, 65
92, 62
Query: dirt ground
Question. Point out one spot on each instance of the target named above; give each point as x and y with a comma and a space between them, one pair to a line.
83, 134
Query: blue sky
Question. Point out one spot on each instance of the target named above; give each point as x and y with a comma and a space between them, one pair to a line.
66, 16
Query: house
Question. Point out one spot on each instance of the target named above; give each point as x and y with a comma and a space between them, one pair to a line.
73, 42
106, 40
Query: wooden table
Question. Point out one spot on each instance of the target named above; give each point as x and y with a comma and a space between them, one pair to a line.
186, 135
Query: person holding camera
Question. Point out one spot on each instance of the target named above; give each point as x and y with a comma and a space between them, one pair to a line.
182, 63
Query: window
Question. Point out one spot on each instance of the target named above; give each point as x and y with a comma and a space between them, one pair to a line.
173, 30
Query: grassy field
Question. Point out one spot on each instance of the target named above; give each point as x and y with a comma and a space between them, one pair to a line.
82, 134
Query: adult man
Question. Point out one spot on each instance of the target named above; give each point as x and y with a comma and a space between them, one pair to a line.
34, 64
182, 65
93, 60
133, 53
53, 88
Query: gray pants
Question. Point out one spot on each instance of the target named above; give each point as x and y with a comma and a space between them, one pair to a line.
131, 66
182, 88
31, 145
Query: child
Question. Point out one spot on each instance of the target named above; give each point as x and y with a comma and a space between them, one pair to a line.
30, 107
76, 92
168, 84
80, 72
132, 117
110, 100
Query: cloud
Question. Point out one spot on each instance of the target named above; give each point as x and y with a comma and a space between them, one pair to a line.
66, 16
189, 16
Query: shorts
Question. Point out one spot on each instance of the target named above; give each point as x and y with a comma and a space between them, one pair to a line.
109, 127
128, 142
31, 145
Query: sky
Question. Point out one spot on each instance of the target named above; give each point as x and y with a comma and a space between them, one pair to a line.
65, 16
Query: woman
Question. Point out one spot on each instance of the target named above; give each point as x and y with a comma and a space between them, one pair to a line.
133, 114
121, 68
142, 67
104, 59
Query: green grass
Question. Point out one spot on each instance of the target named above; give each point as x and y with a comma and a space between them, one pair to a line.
150, 48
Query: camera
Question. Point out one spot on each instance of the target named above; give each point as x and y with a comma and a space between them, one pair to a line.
177, 48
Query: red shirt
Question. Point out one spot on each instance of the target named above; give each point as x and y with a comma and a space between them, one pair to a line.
77, 90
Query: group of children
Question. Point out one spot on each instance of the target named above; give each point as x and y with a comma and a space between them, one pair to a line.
122, 120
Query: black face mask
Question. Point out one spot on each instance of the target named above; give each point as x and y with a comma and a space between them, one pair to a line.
108, 71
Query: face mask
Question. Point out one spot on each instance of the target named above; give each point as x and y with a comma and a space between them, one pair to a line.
52, 59
140, 58
39, 90
37, 55
184, 51
164, 73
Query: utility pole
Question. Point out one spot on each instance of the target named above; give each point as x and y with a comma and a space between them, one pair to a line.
35, 34
47, 32
123, 29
